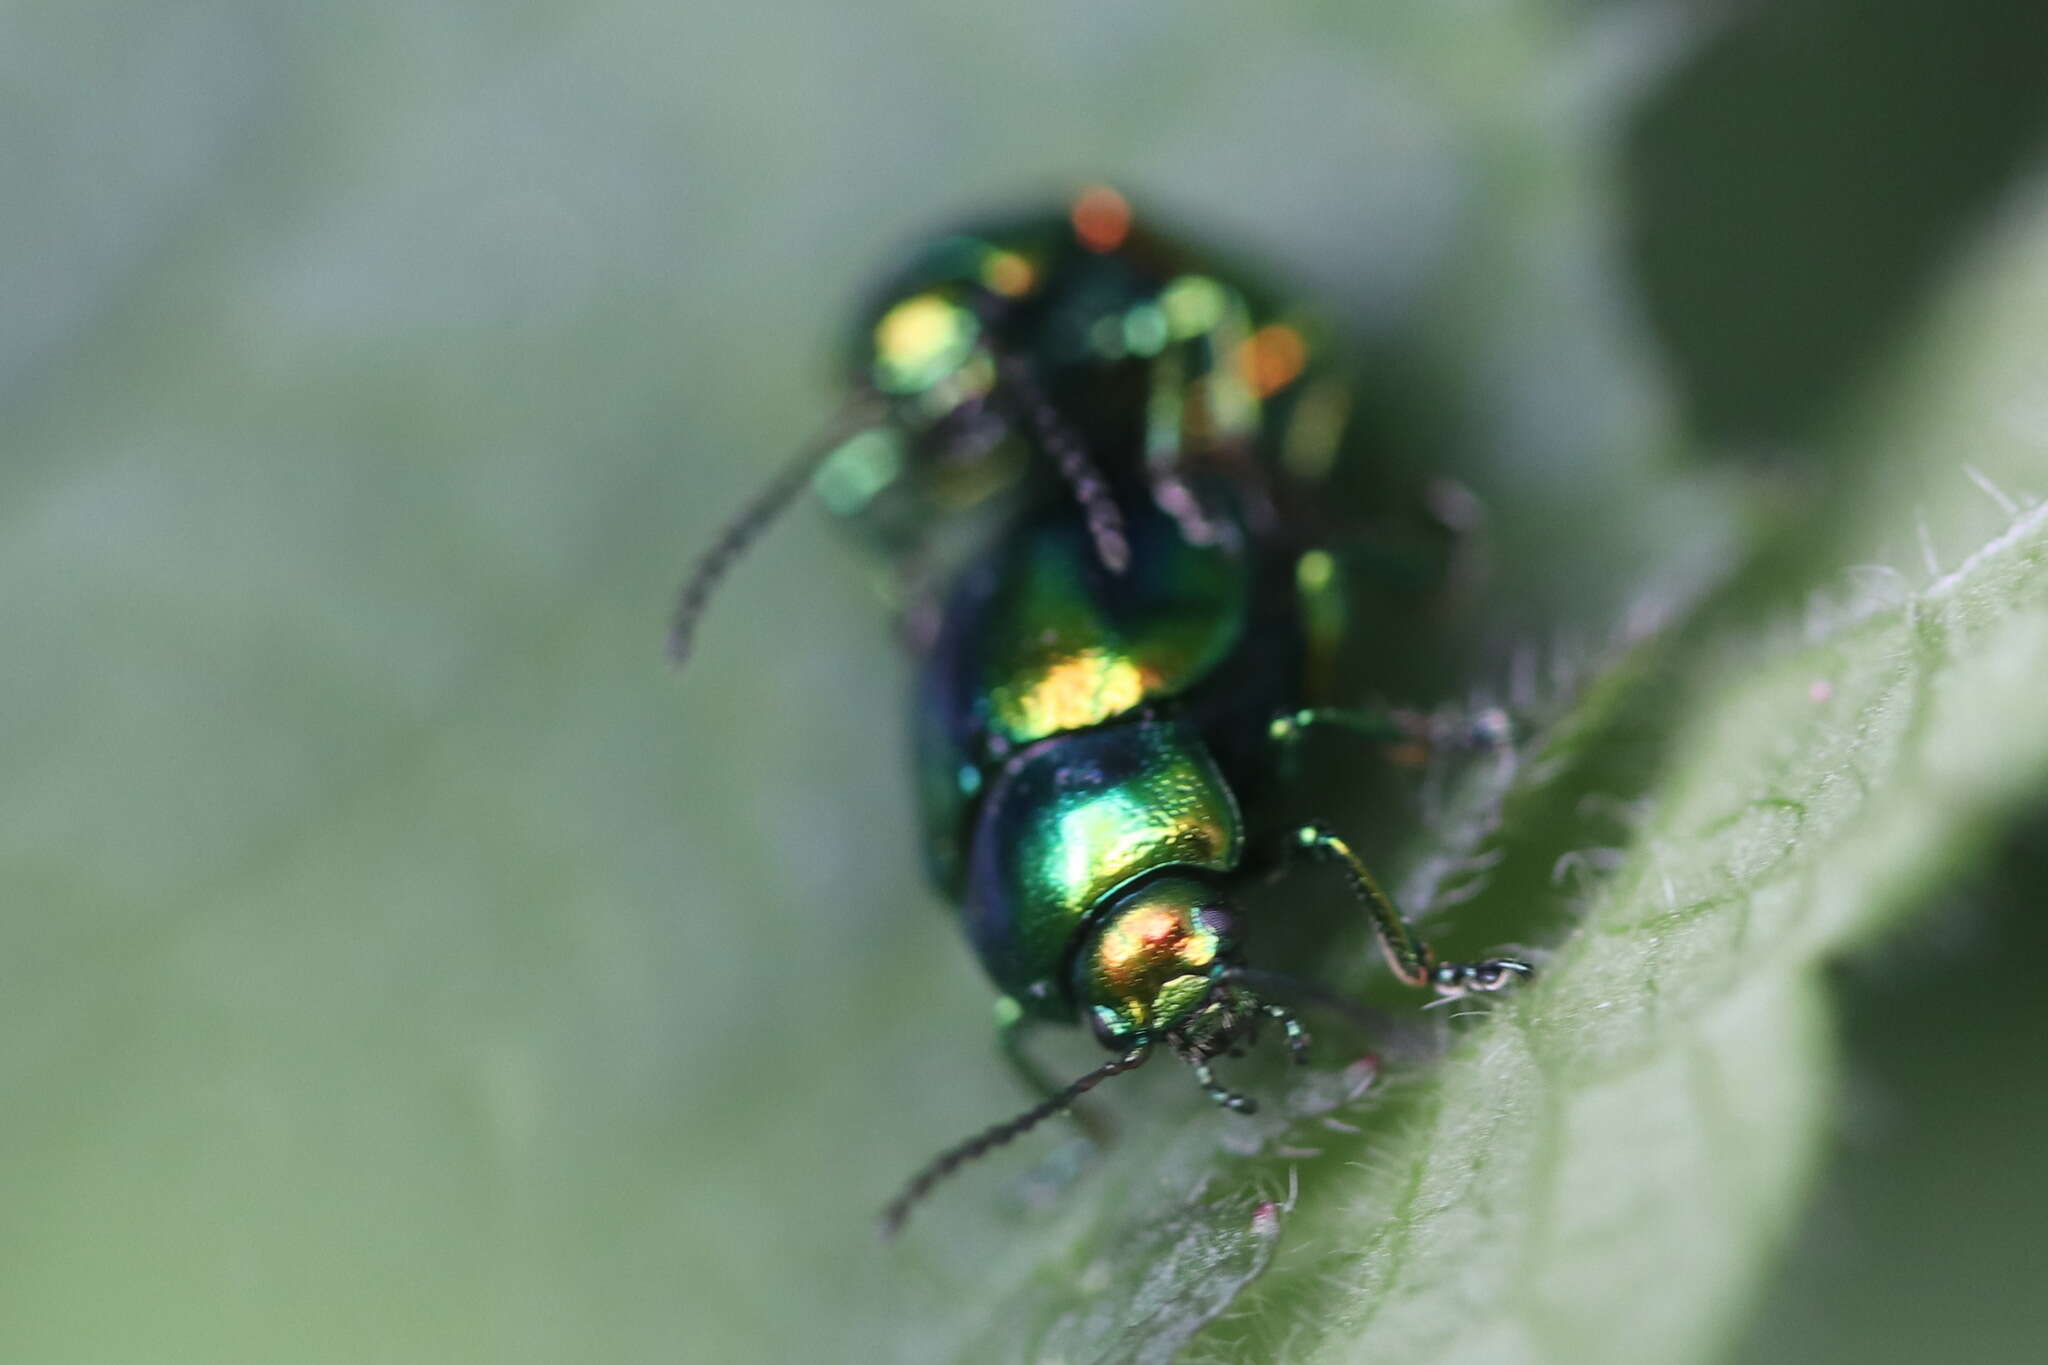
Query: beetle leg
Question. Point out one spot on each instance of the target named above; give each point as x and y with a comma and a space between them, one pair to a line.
1411, 957
1433, 546
1410, 736
1297, 1036
1185, 448
1215, 1089
1407, 738
1358, 1016
1403, 735
1172, 495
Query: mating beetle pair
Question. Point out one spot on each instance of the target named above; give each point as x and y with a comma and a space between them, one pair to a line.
1094, 466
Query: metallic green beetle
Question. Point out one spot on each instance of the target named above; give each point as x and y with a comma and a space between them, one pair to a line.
1093, 463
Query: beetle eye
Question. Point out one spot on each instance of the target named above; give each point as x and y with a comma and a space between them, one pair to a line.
1110, 1027
1216, 921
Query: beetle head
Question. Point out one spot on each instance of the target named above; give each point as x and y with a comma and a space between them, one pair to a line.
1153, 964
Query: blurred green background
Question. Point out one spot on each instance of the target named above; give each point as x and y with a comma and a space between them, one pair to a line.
400, 963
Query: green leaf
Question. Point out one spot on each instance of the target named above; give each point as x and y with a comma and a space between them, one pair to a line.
400, 964
1611, 1159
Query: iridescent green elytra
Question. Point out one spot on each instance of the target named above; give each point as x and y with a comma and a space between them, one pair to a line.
1093, 464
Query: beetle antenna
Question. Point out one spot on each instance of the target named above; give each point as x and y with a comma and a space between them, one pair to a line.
746, 527
953, 1158
1071, 458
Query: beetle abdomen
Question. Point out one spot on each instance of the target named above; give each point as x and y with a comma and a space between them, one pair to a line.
1040, 640
1069, 646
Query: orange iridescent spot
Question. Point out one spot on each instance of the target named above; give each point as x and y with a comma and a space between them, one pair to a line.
1008, 274
1138, 937
1272, 358
1101, 218
1080, 690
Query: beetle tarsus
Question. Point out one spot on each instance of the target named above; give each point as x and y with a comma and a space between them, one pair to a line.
1489, 974
1217, 1091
